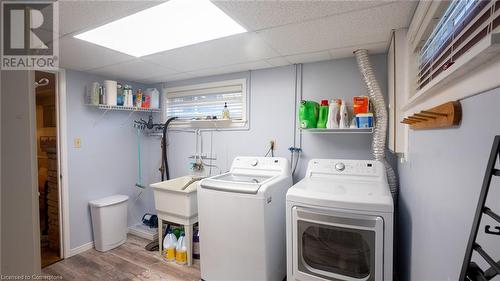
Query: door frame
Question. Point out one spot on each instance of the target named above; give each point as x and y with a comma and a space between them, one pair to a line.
62, 144
62, 165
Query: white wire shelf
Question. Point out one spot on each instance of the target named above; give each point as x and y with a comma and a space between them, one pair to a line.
338, 131
124, 108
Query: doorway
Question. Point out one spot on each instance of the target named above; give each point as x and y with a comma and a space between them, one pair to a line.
48, 167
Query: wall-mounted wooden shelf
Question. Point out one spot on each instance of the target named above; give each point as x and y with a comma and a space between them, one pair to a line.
338, 131
443, 116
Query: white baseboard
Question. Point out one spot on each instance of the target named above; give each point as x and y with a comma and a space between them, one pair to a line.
81, 248
142, 233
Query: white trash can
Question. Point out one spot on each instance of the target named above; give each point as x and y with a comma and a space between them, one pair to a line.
109, 221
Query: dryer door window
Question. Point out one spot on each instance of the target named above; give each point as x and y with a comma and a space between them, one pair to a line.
338, 248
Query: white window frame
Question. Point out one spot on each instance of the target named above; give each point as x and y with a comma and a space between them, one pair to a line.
468, 80
243, 124
466, 68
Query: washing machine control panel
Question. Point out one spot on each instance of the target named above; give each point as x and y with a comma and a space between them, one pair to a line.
261, 163
345, 167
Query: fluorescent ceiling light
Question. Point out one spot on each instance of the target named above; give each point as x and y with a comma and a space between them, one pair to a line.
170, 25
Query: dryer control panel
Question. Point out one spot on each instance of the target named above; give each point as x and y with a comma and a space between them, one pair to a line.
339, 167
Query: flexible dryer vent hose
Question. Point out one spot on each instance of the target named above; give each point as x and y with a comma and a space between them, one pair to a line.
379, 136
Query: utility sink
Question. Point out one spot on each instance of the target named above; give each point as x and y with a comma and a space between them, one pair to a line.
177, 198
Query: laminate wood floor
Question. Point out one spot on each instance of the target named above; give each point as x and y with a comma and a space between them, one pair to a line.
130, 261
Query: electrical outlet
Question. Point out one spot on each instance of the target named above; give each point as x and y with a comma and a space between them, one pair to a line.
273, 144
77, 142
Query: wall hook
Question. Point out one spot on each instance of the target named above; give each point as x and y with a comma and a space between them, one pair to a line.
442, 116
487, 230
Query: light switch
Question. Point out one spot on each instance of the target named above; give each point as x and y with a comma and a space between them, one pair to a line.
77, 143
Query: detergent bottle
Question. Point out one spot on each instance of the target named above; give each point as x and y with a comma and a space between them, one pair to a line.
323, 114
344, 116
169, 245
196, 244
308, 114
333, 115
181, 250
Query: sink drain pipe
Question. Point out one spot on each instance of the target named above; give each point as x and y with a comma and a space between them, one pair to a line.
380, 133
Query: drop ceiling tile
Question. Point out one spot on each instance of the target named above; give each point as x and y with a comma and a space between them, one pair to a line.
235, 49
77, 16
168, 78
135, 70
350, 29
257, 15
231, 68
81, 55
309, 57
278, 61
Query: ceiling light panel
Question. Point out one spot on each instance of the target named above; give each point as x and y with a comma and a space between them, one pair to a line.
170, 25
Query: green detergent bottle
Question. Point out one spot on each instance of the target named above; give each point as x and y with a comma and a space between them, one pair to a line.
323, 114
308, 114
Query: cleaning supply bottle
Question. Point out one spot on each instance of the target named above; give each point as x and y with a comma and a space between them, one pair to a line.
308, 114
177, 232
169, 246
225, 112
196, 245
181, 250
130, 96
138, 98
323, 114
333, 115
344, 116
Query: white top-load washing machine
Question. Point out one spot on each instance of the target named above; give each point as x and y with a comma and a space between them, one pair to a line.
242, 221
339, 221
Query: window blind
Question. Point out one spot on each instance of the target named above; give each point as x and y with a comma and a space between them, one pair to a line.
463, 24
200, 101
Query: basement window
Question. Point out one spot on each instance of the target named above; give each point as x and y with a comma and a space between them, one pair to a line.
195, 106
463, 25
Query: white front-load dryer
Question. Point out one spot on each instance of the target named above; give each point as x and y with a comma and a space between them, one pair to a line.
339, 221
242, 221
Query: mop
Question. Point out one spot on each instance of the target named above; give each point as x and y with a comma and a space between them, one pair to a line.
139, 166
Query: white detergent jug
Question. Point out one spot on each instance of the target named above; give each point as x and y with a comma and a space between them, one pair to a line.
344, 116
155, 97
333, 115
181, 250
169, 245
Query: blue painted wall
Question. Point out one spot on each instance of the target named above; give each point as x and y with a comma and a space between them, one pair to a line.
440, 187
106, 164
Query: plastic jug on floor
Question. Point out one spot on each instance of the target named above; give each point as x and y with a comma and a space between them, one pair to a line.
181, 250
169, 246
